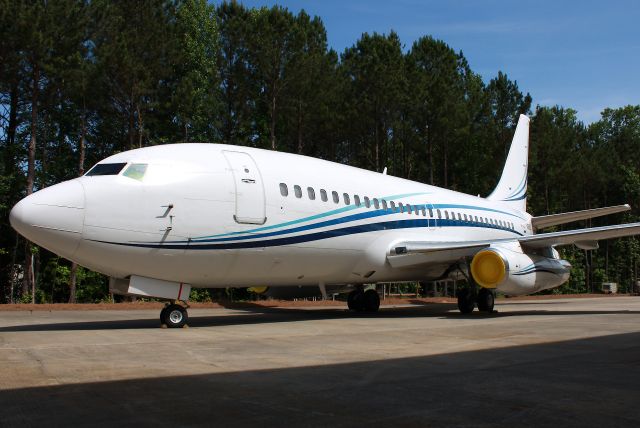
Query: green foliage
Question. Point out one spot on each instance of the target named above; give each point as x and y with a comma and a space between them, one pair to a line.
107, 76
200, 295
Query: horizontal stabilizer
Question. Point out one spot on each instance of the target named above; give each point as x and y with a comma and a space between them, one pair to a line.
562, 218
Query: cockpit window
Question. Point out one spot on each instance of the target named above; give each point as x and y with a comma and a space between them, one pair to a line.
106, 169
136, 171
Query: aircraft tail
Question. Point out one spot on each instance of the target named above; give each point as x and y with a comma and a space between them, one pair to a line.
512, 187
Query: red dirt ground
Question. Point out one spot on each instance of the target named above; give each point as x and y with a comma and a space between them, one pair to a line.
266, 303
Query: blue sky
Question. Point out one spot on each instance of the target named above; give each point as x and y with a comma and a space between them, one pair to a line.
579, 54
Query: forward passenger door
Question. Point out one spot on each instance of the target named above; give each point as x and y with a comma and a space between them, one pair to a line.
249, 188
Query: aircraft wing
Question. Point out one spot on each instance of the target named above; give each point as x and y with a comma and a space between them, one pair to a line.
583, 238
562, 218
411, 253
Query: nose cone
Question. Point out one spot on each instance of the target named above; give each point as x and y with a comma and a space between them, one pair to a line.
52, 217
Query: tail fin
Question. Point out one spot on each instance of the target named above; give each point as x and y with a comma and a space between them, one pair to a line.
512, 187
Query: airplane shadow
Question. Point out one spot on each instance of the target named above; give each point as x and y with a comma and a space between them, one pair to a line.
579, 383
269, 315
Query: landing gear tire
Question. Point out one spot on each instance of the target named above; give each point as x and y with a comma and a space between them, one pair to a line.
371, 301
466, 302
174, 316
486, 300
355, 301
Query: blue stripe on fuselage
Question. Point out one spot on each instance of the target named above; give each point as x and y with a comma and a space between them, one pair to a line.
316, 236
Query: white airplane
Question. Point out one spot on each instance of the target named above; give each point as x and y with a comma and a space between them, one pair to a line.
163, 219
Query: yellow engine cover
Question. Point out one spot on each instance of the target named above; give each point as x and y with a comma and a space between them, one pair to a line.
488, 268
258, 290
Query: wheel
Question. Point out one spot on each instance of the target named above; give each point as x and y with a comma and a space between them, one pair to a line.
355, 301
371, 301
465, 302
486, 300
163, 314
174, 316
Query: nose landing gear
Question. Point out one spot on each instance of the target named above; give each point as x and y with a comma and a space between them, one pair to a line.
174, 315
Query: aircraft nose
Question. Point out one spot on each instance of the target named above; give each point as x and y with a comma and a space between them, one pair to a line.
52, 217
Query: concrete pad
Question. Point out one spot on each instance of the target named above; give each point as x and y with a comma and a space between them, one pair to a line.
562, 362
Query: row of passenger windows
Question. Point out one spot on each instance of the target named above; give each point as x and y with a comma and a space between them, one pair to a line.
386, 205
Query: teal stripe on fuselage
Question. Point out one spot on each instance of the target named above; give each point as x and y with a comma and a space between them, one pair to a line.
367, 214
473, 207
309, 218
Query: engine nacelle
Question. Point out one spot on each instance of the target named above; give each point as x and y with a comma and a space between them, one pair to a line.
509, 270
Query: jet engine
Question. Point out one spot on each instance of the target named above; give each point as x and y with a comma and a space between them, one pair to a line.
507, 268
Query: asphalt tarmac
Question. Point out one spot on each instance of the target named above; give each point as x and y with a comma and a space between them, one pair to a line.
534, 363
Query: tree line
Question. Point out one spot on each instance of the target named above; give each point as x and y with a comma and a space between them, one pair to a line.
81, 80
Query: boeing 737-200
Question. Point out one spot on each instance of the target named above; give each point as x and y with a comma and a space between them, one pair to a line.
160, 220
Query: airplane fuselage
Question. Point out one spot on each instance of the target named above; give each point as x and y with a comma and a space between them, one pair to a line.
218, 216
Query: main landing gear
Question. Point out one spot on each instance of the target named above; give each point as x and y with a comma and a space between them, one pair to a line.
467, 300
174, 315
363, 301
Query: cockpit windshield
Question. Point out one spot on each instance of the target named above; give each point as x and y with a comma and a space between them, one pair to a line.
106, 169
136, 171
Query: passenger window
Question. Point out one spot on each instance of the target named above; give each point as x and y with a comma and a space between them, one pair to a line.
401, 205
347, 200
438, 211
367, 202
459, 216
409, 208
430, 212
376, 204
356, 200
298, 191
465, 217
446, 215
335, 197
284, 191
424, 212
323, 195
311, 193
393, 206
384, 205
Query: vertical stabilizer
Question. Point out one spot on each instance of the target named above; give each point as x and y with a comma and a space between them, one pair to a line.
512, 187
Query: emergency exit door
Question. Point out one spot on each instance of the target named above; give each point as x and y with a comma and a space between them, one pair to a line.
250, 202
